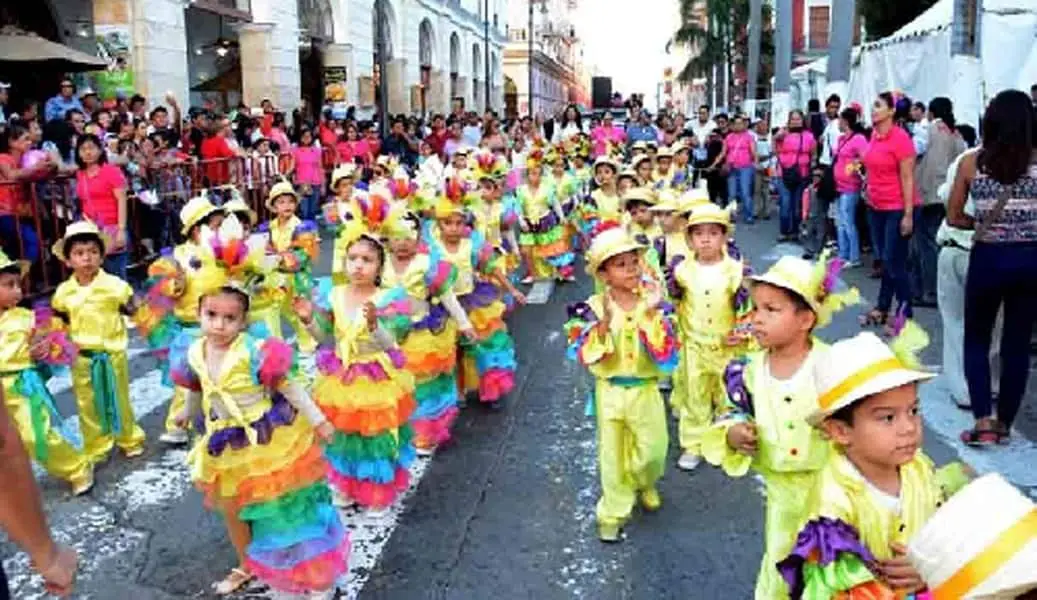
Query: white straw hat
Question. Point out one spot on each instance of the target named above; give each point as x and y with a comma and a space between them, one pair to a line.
981, 544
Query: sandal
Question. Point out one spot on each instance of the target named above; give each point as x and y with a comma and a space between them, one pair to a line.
874, 317
979, 437
528, 280
234, 581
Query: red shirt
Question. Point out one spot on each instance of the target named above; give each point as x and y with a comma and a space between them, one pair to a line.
882, 168
327, 136
97, 194
217, 152
437, 141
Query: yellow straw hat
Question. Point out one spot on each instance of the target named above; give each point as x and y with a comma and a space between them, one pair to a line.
608, 243
638, 160
669, 201
7, 263
343, 171
814, 282
195, 211
627, 173
982, 543
606, 160
81, 228
639, 145
710, 213
281, 188
238, 205
694, 198
641, 194
664, 152
679, 147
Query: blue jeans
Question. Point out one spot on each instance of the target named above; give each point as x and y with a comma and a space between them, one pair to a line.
740, 190
790, 211
10, 229
846, 226
116, 264
1000, 276
892, 248
309, 204
924, 250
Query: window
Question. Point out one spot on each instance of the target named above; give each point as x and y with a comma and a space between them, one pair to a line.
819, 21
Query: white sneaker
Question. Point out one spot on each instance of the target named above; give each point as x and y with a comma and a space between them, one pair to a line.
424, 452
688, 462
177, 437
340, 501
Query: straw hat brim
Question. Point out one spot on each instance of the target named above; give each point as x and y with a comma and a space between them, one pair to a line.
341, 176
270, 201
594, 263
185, 227
22, 266
778, 282
253, 218
875, 385
58, 249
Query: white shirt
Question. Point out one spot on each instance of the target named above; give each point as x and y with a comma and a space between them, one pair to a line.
830, 139
702, 132
565, 133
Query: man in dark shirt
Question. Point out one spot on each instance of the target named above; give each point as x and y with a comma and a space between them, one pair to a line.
399, 144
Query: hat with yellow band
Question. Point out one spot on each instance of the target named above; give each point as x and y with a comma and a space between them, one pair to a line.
858, 367
607, 161
982, 543
196, 210
238, 205
669, 201
81, 229
610, 239
814, 282
639, 194
634, 164
710, 214
281, 188
693, 198
7, 264
343, 171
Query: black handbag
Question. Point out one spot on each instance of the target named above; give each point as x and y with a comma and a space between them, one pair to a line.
791, 176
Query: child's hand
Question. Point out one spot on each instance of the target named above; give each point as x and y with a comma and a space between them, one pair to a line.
182, 419
39, 349
899, 573
520, 298
371, 316
733, 339
742, 437
468, 333
304, 309
326, 431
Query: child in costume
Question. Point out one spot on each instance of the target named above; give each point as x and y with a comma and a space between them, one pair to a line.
542, 240
878, 488
256, 460
662, 176
681, 177
94, 303
30, 343
603, 204
267, 298
565, 189
172, 291
488, 362
637, 205
362, 386
495, 216
340, 209
430, 345
712, 304
626, 181
296, 244
625, 337
770, 393
671, 213
643, 171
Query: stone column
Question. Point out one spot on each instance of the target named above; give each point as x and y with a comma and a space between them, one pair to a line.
341, 55
257, 72
437, 97
158, 45
464, 92
399, 93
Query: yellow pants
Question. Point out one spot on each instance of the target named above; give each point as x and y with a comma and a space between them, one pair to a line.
62, 460
176, 406
787, 507
632, 442
703, 393
96, 442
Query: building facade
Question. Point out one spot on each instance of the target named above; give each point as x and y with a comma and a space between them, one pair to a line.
224, 52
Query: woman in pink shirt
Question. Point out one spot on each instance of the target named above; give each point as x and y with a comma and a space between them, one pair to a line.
101, 188
794, 145
309, 174
894, 200
739, 156
849, 149
605, 134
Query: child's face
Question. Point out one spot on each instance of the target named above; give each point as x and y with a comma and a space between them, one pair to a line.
379, 172
578, 162
222, 317
622, 271
669, 221
664, 164
534, 176
777, 320
84, 258
452, 228
10, 290
625, 184
487, 189
363, 262
708, 240
640, 214
404, 248
459, 161
284, 205
343, 186
263, 147
644, 169
681, 158
886, 431
558, 168
605, 175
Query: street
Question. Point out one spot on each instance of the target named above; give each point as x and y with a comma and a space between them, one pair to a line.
506, 511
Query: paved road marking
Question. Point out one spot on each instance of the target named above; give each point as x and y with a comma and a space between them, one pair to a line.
541, 292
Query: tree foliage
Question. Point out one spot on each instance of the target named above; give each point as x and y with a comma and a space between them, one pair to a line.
885, 17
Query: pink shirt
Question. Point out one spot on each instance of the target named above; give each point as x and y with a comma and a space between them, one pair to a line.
307, 165
738, 147
97, 194
796, 148
849, 148
882, 164
601, 136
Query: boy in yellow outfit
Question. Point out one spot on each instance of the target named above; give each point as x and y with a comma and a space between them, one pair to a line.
340, 210
95, 304
28, 344
625, 337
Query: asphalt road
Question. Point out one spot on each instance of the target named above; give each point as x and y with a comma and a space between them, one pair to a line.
506, 511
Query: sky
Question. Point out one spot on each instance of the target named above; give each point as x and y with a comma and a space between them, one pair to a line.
607, 43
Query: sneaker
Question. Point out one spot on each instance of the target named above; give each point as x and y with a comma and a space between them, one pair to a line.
852, 264
651, 501
133, 452
176, 437
376, 514
424, 451
610, 534
688, 461
84, 486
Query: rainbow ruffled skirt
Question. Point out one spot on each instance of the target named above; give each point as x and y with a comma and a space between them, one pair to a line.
488, 365
431, 352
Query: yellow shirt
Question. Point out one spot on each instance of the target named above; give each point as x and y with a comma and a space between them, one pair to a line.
199, 276
621, 352
95, 320
488, 221
675, 244
535, 204
608, 205
16, 327
281, 235
706, 311
462, 260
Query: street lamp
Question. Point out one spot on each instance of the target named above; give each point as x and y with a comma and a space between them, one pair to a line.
543, 11
383, 87
486, 51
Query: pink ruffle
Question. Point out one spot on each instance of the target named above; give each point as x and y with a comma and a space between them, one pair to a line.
429, 433
495, 384
370, 494
315, 575
275, 361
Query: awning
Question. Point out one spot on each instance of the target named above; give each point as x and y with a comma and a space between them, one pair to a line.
22, 47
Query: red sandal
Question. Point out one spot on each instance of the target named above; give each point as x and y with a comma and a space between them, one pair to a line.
980, 437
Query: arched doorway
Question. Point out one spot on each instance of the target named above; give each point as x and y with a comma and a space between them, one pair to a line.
455, 66
384, 22
477, 80
316, 29
426, 57
494, 75
510, 98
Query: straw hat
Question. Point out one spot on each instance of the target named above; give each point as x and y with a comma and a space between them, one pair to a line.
196, 210
605, 159
6, 263
669, 201
81, 228
679, 147
343, 171
981, 544
610, 242
641, 194
639, 145
638, 160
710, 213
694, 198
237, 205
627, 173
814, 282
664, 152
855, 368
281, 188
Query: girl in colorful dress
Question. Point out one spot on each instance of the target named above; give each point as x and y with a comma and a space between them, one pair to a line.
30, 343
257, 460
495, 216
297, 246
603, 204
362, 386
877, 489
339, 210
769, 395
625, 337
712, 304
267, 299
488, 363
565, 190
542, 240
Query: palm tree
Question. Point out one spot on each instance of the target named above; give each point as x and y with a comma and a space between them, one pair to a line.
708, 45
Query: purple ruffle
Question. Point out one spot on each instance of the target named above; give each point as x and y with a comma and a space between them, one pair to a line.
546, 224
281, 413
482, 296
434, 321
824, 539
581, 311
671, 278
734, 383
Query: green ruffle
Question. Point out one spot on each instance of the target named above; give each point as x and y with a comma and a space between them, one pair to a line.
358, 447
289, 511
843, 574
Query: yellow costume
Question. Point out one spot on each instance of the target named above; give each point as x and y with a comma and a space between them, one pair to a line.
543, 231
295, 241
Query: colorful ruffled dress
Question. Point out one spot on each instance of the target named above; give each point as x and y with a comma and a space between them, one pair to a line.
790, 453
852, 525
258, 456
627, 364
27, 398
430, 343
496, 222
552, 254
712, 303
365, 391
297, 244
600, 207
566, 190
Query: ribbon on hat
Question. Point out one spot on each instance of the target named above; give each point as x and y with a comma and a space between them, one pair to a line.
990, 559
